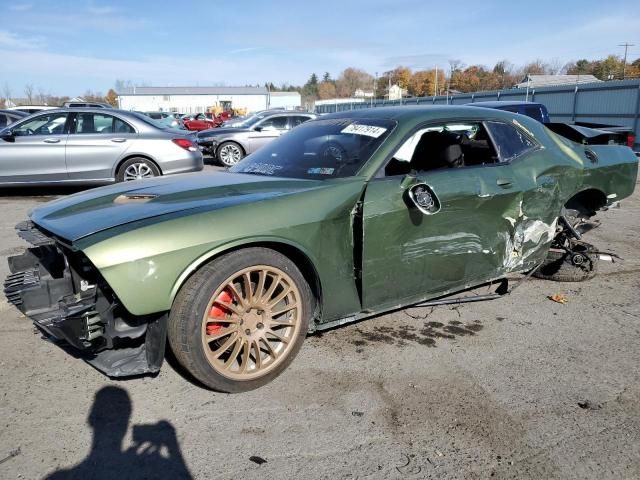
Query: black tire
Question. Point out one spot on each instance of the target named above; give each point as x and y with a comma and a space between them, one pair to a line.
229, 161
560, 267
143, 164
188, 310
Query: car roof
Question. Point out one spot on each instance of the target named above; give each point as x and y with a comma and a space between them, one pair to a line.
19, 113
419, 113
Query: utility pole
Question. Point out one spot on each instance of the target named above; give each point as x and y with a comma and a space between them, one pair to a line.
435, 89
626, 46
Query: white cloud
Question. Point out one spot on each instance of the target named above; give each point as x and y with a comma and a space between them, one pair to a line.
20, 42
100, 9
20, 7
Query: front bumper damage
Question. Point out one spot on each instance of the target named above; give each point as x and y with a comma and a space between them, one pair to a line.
67, 298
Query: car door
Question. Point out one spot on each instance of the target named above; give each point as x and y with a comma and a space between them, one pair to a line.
539, 176
464, 237
34, 150
266, 131
96, 142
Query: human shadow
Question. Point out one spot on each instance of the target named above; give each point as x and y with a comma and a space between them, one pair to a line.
154, 453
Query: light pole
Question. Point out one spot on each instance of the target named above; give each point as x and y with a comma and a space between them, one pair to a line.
626, 46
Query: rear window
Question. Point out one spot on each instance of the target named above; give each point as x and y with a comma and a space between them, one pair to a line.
510, 141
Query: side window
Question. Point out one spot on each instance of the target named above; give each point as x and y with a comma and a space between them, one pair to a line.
452, 145
93, 123
49, 124
274, 123
510, 141
4, 120
296, 120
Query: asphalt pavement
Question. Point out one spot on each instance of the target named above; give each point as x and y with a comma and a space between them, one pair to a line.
520, 387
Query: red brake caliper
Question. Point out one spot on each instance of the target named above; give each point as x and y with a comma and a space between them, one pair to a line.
218, 312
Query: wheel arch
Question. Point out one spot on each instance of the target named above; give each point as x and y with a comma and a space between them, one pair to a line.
294, 252
135, 155
587, 201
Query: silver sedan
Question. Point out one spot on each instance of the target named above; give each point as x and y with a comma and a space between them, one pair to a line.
92, 146
230, 144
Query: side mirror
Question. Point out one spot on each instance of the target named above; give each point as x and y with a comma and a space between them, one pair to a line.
424, 198
8, 135
257, 129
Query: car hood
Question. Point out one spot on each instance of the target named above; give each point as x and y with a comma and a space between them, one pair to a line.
77, 216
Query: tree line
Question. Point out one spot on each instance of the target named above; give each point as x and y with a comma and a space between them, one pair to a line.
32, 95
458, 77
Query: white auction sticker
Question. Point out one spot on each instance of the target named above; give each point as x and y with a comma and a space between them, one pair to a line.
368, 130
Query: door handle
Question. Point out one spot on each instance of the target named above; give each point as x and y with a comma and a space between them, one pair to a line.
51, 140
118, 140
504, 182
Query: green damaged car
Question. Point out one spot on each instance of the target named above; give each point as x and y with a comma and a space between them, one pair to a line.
347, 216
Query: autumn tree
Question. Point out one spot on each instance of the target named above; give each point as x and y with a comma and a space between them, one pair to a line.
111, 98
401, 76
423, 83
326, 90
352, 79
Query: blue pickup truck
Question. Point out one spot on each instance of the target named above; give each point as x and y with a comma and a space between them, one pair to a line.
581, 132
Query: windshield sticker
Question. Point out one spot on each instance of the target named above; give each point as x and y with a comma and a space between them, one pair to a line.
321, 171
262, 168
367, 130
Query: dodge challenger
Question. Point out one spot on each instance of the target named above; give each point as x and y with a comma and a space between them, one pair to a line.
347, 216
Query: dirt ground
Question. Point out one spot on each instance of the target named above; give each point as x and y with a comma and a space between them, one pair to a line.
520, 387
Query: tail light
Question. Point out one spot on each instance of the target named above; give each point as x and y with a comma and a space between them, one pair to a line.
186, 144
631, 140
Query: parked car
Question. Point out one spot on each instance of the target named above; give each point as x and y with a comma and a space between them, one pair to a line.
169, 119
7, 117
241, 121
92, 146
29, 109
197, 122
587, 133
347, 216
230, 145
86, 105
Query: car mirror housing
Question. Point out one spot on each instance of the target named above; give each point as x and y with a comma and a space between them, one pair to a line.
258, 128
8, 135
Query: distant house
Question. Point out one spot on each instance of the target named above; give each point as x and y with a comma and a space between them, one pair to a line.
536, 81
396, 93
360, 93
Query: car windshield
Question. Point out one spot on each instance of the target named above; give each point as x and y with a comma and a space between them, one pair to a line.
321, 149
250, 121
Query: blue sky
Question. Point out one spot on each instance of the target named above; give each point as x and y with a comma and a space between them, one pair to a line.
66, 47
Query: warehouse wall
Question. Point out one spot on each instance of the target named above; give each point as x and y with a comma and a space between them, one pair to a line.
613, 103
189, 103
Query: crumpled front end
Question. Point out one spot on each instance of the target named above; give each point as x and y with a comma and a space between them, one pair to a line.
65, 296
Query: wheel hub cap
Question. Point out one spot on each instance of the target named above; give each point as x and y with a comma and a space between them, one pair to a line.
251, 322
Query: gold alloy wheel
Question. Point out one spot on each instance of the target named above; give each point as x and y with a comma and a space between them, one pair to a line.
251, 322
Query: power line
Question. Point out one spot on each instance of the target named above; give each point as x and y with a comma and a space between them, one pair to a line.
624, 62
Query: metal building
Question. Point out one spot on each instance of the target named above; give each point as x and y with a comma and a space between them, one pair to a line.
192, 99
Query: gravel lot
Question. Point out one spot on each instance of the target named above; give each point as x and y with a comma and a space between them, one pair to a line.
521, 387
